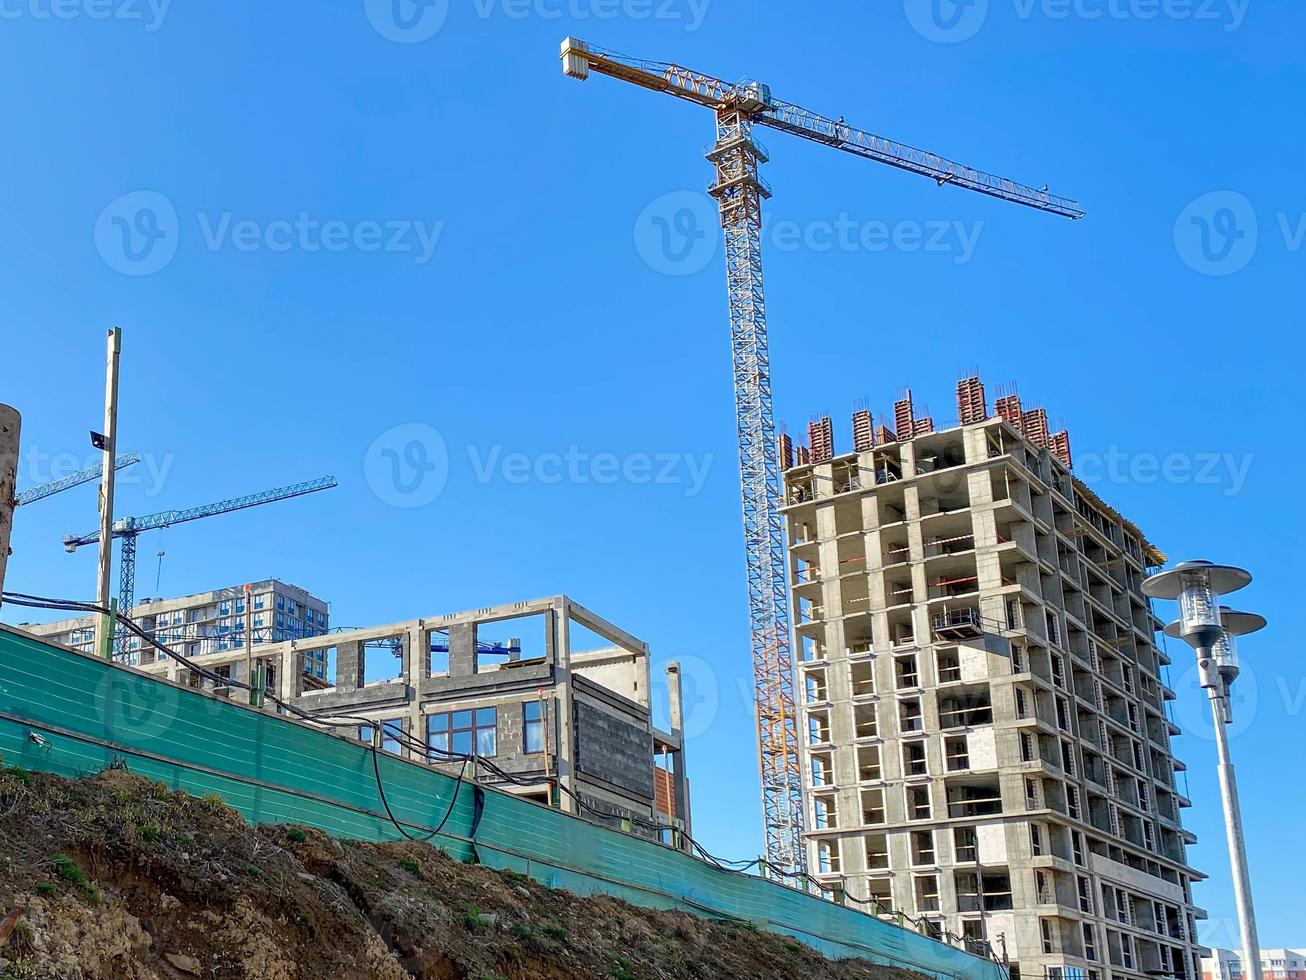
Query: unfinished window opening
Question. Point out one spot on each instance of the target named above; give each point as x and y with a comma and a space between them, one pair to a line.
818, 728
383, 660
864, 720
1090, 942
1063, 714
975, 799
922, 847
907, 672
821, 767
966, 710
913, 759
873, 806
863, 678
911, 717
949, 665
868, 763
987, 892
902, 630
827, 857
965, 845
815, 687
1027, 751
879, 892
956, 753
1036, 840
811, 648
824, 812
927, 893
1044, 893
918, 803
877, 852
438, 655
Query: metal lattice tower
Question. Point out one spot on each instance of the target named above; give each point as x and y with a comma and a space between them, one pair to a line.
739, 191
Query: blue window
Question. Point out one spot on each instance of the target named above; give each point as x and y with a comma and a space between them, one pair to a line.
224, 609
391, 732
463, 733
281, 602
533, 726
240, 605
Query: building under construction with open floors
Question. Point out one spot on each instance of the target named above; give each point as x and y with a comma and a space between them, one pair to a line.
545, 689
984, 714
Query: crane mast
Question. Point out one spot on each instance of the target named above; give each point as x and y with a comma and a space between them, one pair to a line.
739, 191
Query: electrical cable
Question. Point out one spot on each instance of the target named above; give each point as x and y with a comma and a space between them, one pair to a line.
427, 751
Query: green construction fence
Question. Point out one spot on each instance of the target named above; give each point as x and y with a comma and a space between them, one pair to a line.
71, 714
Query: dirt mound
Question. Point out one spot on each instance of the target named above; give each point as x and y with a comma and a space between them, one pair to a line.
117, 877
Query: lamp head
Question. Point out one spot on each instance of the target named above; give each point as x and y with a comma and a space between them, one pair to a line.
1197, 585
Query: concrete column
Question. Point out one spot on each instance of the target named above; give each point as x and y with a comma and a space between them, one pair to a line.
10, 425
291, 680
349, 666
418, 645
564, 708
462, 650
675, 701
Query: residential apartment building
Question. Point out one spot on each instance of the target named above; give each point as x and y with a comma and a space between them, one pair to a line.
1276, 964
208, 622
983, 704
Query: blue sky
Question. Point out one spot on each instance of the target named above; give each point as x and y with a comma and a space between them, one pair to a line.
330, 234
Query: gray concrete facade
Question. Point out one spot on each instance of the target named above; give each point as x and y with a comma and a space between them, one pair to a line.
986, 742
541, 711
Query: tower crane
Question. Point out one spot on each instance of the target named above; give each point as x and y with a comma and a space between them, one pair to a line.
32, 494
739, 191
127, 529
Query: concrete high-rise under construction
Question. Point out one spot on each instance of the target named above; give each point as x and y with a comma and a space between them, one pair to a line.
986, 743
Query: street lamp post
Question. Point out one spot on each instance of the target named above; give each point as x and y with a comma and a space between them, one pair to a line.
1212, 631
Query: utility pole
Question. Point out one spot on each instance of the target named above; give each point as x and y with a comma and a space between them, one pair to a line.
249, 640
108, 444
10, 426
